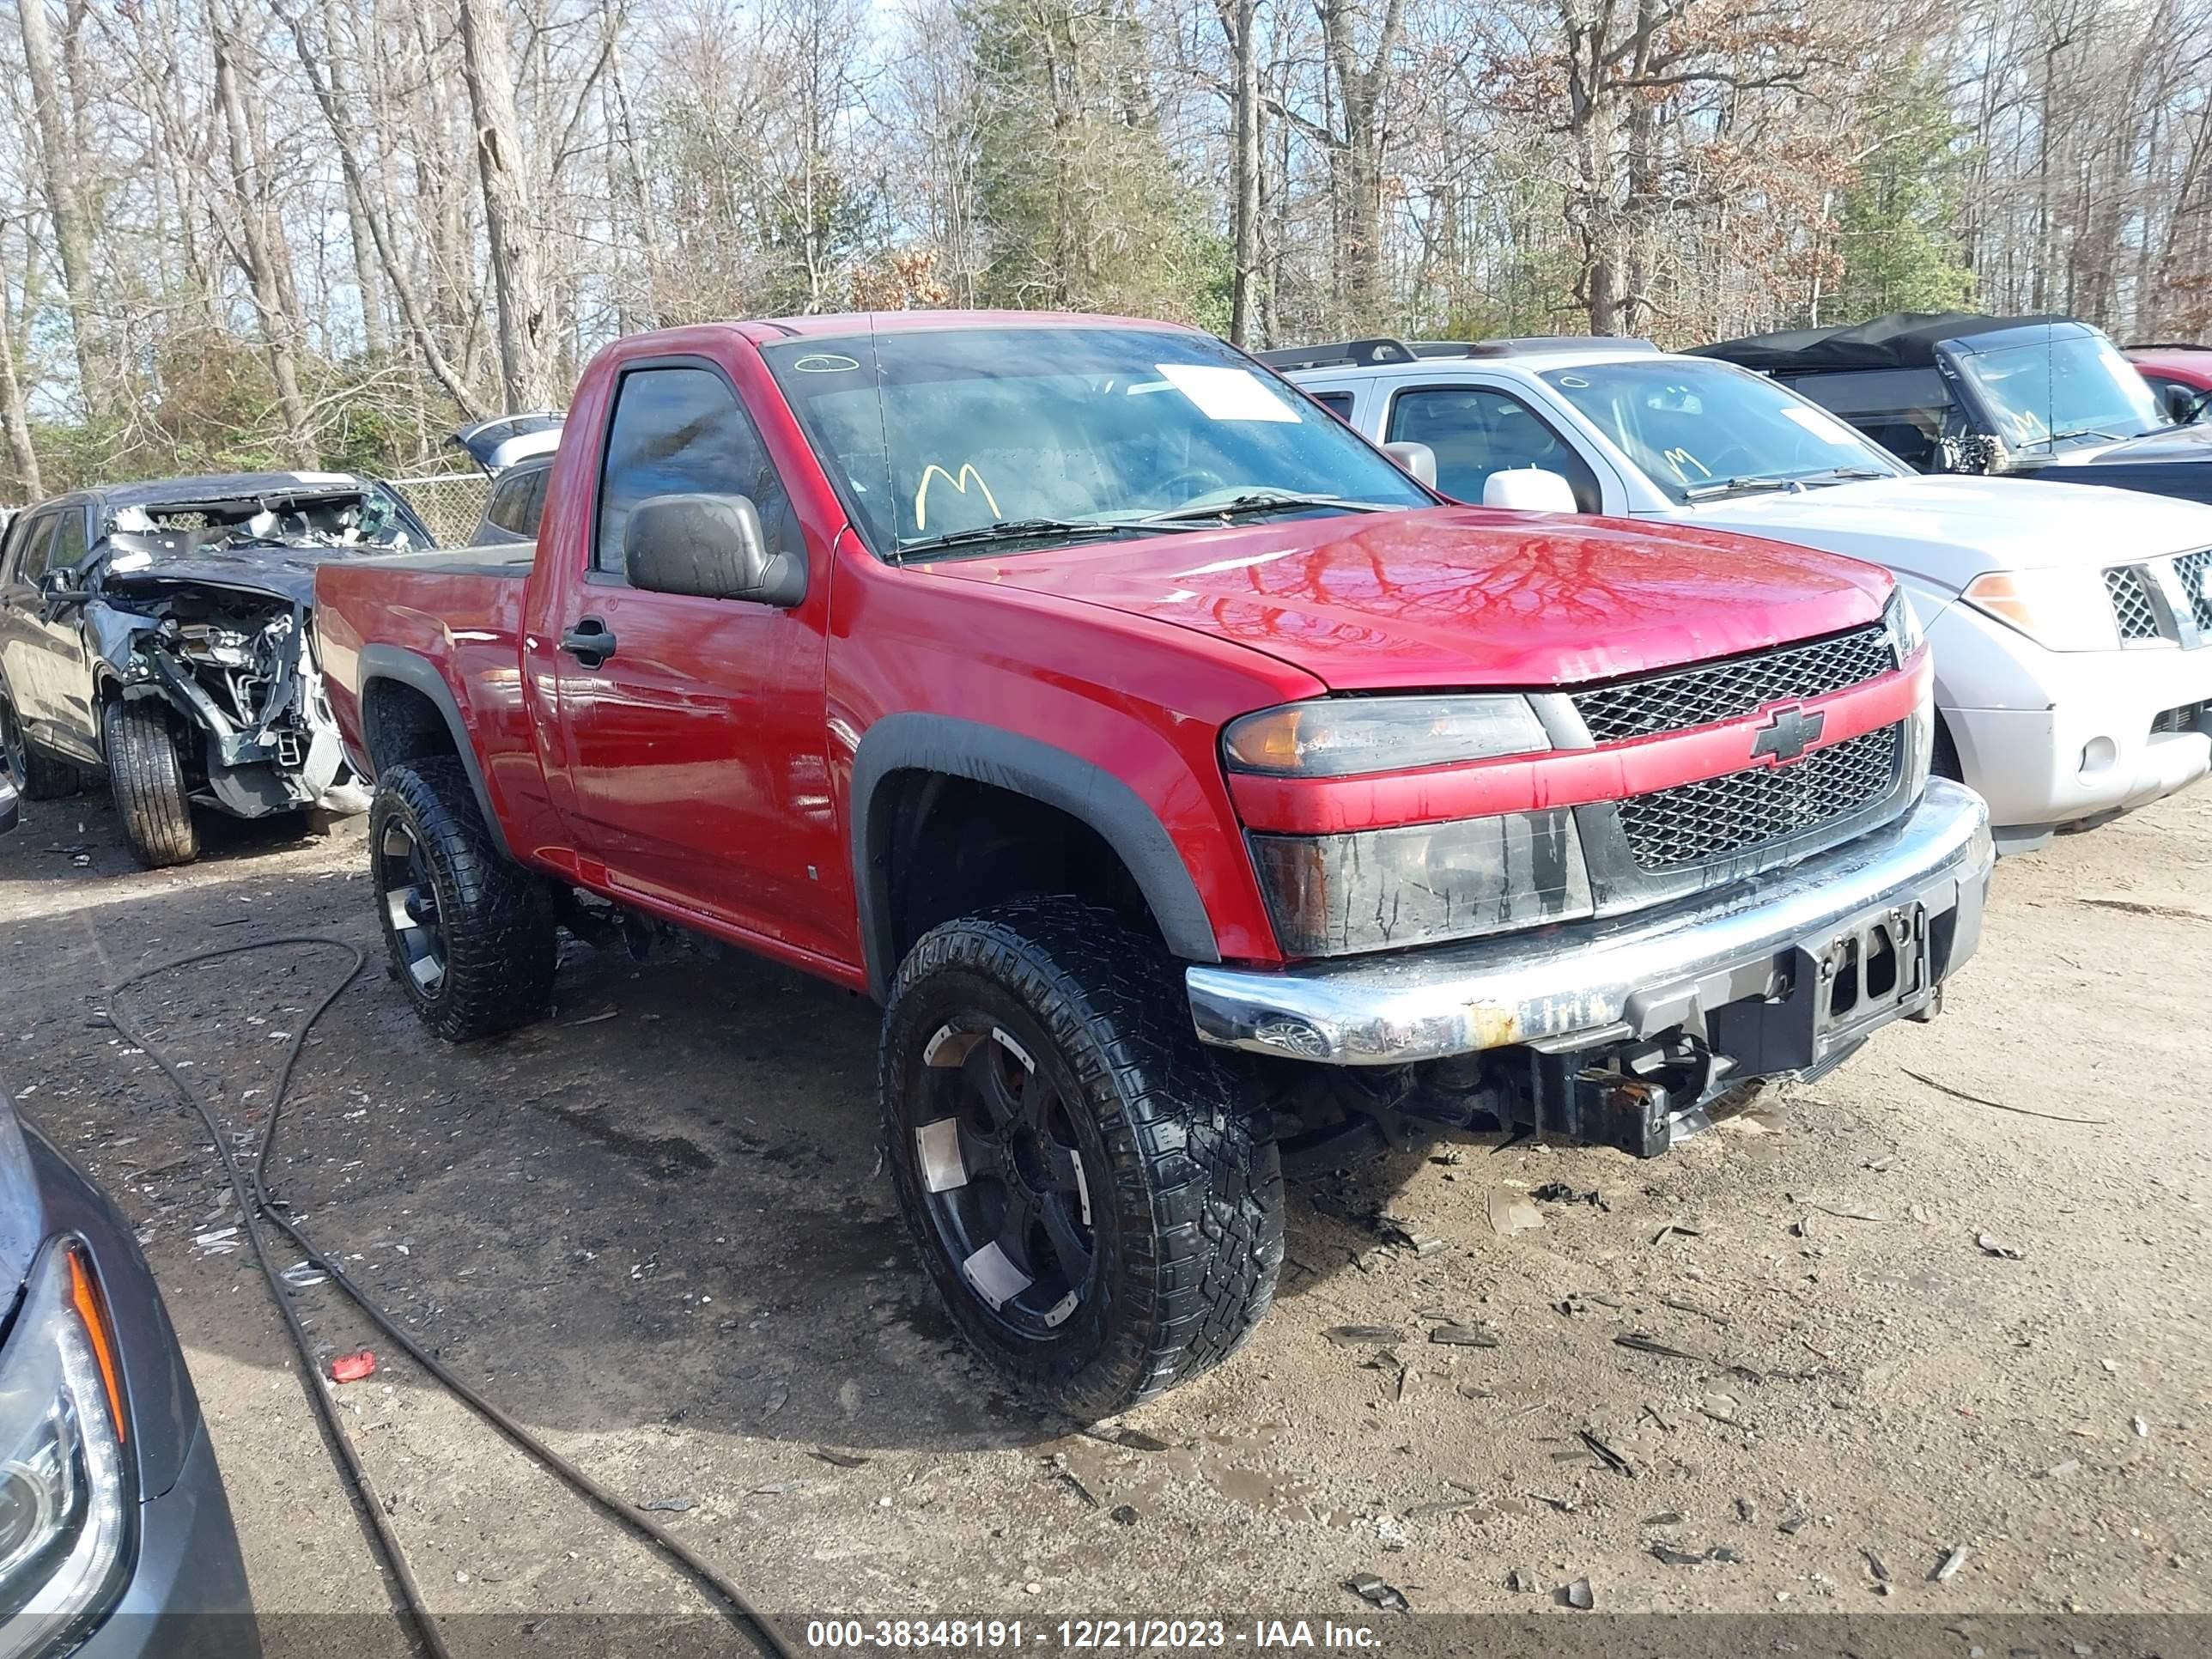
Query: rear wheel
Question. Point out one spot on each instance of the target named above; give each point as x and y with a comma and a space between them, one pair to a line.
146, 776
39, 777
470, 931
1103, 1218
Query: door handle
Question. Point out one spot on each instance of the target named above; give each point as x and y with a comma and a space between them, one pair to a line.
591, 642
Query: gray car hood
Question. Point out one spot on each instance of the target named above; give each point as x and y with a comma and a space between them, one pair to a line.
1948, 529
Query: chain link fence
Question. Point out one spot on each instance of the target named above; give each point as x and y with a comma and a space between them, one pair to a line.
451, 503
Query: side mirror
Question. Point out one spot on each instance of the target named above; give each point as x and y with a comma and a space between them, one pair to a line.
709, 546
60, 587
1529, 490
8, 811
1418, 460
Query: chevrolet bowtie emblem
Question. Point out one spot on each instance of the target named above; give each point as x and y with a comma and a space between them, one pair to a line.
1789, 734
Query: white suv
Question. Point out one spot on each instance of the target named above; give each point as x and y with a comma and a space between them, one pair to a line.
2072, 624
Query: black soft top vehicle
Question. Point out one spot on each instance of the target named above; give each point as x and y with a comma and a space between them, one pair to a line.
163, 631
1956, 392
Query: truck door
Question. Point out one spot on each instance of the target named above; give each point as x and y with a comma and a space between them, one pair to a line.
694, 727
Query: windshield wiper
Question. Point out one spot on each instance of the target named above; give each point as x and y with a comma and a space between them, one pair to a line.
1053, 529
1840, 475
1717, 488
1258, 500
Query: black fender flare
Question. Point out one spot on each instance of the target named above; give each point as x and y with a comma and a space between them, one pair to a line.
418, 673
912, 742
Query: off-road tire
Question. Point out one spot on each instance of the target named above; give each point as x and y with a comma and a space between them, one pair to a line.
146, 776
497, 918
38, 777
1186, 1214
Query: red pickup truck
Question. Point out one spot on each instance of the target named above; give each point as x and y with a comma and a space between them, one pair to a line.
1198, 792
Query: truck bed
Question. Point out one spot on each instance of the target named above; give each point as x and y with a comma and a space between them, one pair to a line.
453, 617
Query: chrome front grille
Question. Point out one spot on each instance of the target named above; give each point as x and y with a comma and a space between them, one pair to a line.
2129, 588
2194, 572
1721, 818
1734, 687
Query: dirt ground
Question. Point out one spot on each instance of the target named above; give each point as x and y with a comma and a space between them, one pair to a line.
655, 1229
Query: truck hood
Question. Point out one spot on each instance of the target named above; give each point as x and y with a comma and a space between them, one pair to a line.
1459, 596
1948, 530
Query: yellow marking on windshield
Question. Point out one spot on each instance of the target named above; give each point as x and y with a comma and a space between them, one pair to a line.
967, 475
1679, 459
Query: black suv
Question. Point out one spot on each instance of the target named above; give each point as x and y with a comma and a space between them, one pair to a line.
164, 633
2040, 396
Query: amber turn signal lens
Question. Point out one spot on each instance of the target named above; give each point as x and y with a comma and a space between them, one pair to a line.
84, 1296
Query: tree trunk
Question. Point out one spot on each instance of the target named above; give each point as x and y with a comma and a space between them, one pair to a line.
1355, 157
526, 322
61, 177
338, 115
1240, 26
22, 458
259, 259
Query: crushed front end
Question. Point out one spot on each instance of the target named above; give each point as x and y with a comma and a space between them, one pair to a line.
238, 673
206, 606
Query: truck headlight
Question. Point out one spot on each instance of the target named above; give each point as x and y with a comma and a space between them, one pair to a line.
67, 1503
1346, 737
1903, 627
2059, 609
1421, 883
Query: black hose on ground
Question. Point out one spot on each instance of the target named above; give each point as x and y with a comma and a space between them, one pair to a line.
249, 1187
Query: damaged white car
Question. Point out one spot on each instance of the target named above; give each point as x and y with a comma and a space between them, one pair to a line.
164, 633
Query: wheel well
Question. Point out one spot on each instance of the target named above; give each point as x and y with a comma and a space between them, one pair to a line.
951, 846
399, 723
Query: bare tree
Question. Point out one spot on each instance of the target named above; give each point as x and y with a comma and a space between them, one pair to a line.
526, 324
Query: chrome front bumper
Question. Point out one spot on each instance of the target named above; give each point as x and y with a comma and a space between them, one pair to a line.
1628, 976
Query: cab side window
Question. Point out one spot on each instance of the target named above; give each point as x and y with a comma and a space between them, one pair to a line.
68, 547
680, 430
1478, 431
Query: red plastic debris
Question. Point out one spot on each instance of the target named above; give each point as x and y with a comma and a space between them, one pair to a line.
352, 1367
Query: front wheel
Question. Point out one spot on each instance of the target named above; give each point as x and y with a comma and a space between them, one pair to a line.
146, 776
1102, 1217
470, 931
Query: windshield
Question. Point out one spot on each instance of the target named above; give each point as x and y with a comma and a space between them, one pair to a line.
1699, 429
935, 433
2065, 386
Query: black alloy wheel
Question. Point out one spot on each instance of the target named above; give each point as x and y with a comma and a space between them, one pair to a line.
407, 892
1003, 1172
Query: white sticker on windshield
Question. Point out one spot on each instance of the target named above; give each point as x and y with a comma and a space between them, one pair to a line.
1227, 394
1826, 427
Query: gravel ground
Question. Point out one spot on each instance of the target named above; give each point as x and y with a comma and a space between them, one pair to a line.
1906, 1321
